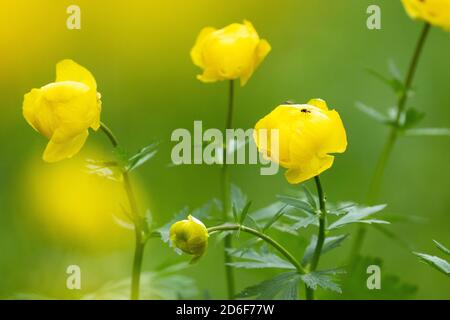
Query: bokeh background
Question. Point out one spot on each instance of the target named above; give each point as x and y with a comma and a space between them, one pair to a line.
52, 216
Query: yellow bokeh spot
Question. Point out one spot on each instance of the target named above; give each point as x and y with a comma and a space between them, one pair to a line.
69, 203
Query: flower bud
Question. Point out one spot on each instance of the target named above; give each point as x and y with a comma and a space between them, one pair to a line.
190, 236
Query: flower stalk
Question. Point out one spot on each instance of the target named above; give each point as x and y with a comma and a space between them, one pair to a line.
321, 235
226, 197
137, 221
236, 227
392, 137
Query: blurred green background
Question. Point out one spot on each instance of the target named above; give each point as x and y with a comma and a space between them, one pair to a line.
139, 54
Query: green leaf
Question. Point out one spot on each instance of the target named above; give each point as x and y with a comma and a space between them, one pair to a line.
266, 213
373, 113
238, 198
359, 215
394, 70
393, 236
283, 286
297, 203
275, 218
251, 223
310, 197
442, 247
235, 213
340, 209
142, 156
395, 84
354, 284
411, 118
121, 155
108, 170
244, 212
436, 262
303, 222
329, 244
430, 132
165, 284
258, 260
322, 279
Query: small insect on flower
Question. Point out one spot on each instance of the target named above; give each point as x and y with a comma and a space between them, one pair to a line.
190, 236
308, 133
435, 12
64, 110
230, 53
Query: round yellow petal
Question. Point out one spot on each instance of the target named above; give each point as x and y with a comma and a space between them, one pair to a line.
57, 151
64, 110
69, 70
196, 52
308, 134
435, 12
229, 53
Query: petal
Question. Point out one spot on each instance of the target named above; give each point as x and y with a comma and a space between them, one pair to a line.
412, 9
337, 142
31, 102
59, 151
96, 124
197, 50
68, 70
209, 75
262, 51
245, 76
319, 103
251, 29
38, 113
73, 106
314, 168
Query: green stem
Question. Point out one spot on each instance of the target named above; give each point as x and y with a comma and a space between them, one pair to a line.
383, 159
225, 183
266, 238
137, 220
321, 236
109, 134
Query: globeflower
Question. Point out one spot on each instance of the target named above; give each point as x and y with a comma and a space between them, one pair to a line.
435, 12
64, 110
190, 236
230, 53
308, 135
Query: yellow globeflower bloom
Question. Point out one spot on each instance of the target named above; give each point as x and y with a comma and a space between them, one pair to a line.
229, 53
307, 133
64, 110
190, 236
435, 12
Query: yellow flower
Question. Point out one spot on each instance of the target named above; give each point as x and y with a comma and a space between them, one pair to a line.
435, 12
190, 236
308, 133
64, 110
229, 53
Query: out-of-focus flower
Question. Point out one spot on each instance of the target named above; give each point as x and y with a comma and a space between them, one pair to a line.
230, 53
307, 133
435, 12
64, 110
190, 236
68, 204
